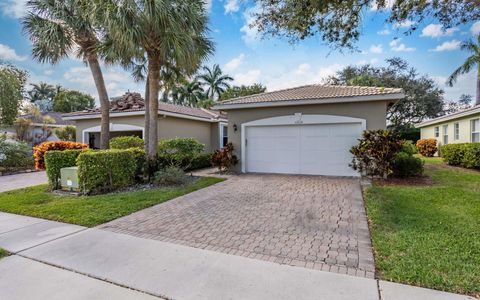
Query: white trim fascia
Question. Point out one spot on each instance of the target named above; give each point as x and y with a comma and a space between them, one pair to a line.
295, 119
454, 116
113, 128
140, 113
333, 100
49, 125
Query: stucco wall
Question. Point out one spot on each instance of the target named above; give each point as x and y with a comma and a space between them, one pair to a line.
374, 112
465, 130
168, 127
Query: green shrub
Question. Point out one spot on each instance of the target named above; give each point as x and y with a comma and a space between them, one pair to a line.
140, 158
406, 165
471, 158
15, 156
409, 147
66, 133
106, 170
185, 162
375, 153
126, 142
170, 176
427, 147
55, 160
224, 159
184, 153
453, 154
202, 160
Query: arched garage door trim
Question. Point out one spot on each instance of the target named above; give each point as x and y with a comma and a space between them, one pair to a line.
296, 119
113, 127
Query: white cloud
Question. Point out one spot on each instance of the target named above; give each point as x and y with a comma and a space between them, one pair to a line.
250, 32
388, 5
7, 53
303, 69
14, 8
396, 46
475, 29
377, 49
248, 78
465, 84
48, 72
207, 4
447, 46
233, 64
436, 30
368, 62
231, 6
404, 24
384, 31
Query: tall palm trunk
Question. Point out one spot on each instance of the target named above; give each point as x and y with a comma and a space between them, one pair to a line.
153, 78
477, 101
103, 97
146, 132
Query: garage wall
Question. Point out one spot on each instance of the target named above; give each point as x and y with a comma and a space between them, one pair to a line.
373, 111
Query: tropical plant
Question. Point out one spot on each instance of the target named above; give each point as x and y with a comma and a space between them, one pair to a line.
40, 150
243, 90
224, 159
189, 93
168, 33
59, 28
471, 62
215, 81
70, 101
427, 147
66, 133
14, 156
12, 82
42, 95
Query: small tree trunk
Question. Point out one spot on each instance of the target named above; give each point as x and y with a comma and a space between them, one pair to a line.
146, 130
103, 98
477, 101
153, 78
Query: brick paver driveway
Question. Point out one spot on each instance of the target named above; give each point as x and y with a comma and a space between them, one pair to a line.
308, 221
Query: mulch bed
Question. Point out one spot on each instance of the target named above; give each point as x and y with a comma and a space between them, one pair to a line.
411, 181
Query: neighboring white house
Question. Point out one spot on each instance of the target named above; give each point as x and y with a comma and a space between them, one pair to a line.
459, 127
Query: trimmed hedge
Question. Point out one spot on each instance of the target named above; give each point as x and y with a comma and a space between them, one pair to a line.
466, 155
106, 170
427, 147
186, 162
55, 160
39, 151
126, 142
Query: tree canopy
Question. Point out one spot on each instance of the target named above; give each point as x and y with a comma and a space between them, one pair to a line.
243, 90
70, 101
12, 84
339, 22
423, 98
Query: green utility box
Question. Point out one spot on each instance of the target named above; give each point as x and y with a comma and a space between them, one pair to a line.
69, 179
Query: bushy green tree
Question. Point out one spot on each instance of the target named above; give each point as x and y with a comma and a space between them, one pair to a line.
70, 101
12, 83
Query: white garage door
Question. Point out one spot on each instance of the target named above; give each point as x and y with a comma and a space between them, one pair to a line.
321, 149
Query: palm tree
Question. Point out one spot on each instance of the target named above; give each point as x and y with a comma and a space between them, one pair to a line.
215, 81
59, 27
472, 61
170, 32
41, 91
190, 93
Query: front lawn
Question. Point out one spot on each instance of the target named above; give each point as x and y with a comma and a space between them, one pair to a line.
429, 235
90, 210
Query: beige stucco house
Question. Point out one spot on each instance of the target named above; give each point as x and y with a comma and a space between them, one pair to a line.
127, 117
304, 130
459, 127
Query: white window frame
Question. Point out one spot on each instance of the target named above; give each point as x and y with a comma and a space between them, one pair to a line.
436, 131
220, 134
474, 129
445, 134
456, 131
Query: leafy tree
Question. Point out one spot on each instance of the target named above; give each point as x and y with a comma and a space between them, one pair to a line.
167, 33
339, 22
472, 61
189, 93
243, 90
464, 102
69, 101
12, 83
215, 81
57, 29
42, 95
66, 133
423, 99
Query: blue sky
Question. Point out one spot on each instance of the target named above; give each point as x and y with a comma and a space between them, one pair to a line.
274, 62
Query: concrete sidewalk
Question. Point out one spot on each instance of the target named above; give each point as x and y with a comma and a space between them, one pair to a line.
22, 180
169, 270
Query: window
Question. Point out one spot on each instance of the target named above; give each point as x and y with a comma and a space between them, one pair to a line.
445, 134
475, 130
437, 131
223, 135
456, 129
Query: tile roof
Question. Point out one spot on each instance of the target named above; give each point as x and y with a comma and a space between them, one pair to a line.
312, 92
56, 116
131, 102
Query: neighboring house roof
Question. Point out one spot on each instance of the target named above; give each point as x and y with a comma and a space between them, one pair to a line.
457, 115
38, 119
133, 104
313, 94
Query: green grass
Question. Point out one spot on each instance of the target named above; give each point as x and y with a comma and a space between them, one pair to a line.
3, 253
90, 210
431, 160
429, 235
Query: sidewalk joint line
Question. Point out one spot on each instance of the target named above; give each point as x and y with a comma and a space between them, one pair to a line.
52, 240
39, 222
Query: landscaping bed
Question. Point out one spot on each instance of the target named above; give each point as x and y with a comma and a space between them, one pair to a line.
428, 235
90, 211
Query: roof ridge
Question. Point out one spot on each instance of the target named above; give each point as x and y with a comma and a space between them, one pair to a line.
267, 93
